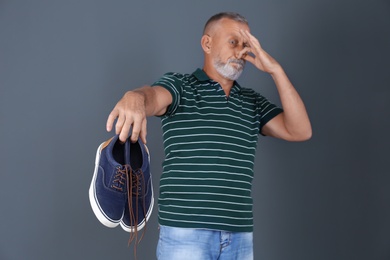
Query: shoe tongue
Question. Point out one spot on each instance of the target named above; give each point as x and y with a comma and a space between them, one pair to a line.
136, 156
138, 180
127, 151
118, 152
137, 171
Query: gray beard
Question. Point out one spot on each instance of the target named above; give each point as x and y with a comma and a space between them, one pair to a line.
228, 71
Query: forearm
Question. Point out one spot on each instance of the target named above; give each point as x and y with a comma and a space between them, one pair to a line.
154, 100
295, 117
147, 97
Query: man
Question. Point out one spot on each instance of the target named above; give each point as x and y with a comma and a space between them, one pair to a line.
210, 131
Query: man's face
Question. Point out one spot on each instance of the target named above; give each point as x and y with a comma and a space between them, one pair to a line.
227, 44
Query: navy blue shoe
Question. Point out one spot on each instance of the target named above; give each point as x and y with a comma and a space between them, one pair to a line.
108, 189
140, 199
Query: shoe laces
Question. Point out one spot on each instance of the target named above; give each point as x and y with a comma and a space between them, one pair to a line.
120, 177
136, 188
137, 179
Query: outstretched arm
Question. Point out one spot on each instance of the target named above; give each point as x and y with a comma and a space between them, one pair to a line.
131, 111
293, 124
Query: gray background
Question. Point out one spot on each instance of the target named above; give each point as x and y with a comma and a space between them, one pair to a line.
64, 65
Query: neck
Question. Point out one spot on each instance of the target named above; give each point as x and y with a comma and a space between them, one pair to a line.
211, 72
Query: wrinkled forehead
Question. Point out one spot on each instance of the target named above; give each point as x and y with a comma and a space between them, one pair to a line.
226, 26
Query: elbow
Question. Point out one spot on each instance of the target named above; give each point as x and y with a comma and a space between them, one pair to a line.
307, 136
300, 135
304, 135
308, 132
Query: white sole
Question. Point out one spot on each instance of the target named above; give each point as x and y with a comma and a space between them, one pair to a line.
97, 210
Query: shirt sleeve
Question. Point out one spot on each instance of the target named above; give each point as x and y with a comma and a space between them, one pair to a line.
267, 111
173, 82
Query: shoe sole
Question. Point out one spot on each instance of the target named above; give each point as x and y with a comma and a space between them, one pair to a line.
97, 209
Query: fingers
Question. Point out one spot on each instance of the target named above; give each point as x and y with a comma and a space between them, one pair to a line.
243, 53
253, 42
134, 122
250, 59
121, 119
143, 131
261, 59
136, 130
253, 47
130, 116
123, 128
110, 120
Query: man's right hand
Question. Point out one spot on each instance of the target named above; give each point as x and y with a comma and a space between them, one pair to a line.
130, 112
133, 108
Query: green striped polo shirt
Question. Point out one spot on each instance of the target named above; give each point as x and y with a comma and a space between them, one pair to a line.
209, 142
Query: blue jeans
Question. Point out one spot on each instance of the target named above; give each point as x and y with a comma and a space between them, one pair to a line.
203, 244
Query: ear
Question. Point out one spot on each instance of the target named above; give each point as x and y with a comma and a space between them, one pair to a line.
206, 43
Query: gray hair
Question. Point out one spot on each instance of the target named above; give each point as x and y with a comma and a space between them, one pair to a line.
229, 15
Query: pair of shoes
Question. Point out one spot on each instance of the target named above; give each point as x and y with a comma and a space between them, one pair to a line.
121, 191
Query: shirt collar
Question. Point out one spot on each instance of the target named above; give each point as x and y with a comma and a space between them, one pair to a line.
202, 76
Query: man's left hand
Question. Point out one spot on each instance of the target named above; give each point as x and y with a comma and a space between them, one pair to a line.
261, 59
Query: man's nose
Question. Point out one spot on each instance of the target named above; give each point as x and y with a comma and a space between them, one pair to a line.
240, 53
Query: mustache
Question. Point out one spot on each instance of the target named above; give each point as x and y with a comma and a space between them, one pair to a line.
237, 61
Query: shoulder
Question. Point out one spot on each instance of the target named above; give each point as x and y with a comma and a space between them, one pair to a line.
177, 76
172, 80
251, 94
